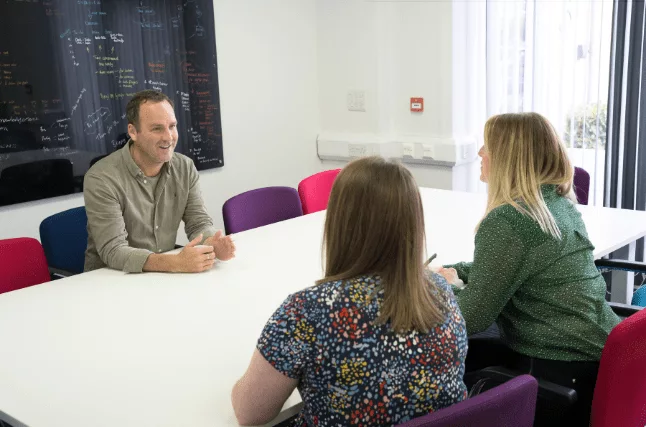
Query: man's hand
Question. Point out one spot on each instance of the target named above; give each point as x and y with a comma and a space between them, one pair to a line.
223, 246
195, 258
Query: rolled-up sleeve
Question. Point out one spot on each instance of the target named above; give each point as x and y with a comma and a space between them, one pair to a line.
107, 227
196, 219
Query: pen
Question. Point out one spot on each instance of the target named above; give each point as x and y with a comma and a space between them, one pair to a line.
428, 261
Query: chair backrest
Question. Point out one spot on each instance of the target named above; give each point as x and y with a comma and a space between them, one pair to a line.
22, 264
620, 392
314, 190
64, 239
639, 297
260, 207
511, 404
36, 180
581, 185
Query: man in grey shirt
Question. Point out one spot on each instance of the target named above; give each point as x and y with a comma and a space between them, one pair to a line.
136, 197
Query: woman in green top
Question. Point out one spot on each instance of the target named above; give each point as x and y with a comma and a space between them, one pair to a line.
533, 271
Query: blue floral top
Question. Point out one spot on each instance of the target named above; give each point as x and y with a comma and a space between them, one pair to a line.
354, 372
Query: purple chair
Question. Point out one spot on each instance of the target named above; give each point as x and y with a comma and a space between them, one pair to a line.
511, 404
581, 185
260, 207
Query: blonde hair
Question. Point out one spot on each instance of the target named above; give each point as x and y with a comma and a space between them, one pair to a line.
375, 225
524, 153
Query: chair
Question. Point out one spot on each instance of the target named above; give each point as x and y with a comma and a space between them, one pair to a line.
260, 207
639, 297
64, 239
606, 265
511, 404
554, 397
36, 180
581, 185
22, 264
620, 392
97, 158
314, 190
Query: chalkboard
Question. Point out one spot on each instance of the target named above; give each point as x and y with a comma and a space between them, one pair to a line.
68, 69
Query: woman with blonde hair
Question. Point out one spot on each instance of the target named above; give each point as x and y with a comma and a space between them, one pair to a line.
533, 269
379, 340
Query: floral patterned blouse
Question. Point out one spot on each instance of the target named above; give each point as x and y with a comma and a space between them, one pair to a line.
354, 372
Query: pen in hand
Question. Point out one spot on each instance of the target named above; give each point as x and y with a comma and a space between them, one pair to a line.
428, 261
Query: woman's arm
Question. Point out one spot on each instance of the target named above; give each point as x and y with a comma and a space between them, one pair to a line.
261, 392
463, 269
494, 275
279, 361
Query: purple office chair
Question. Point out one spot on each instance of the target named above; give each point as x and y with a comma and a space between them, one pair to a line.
260, 207
581, 185
511, 404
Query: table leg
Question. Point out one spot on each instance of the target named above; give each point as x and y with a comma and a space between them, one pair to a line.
623, 282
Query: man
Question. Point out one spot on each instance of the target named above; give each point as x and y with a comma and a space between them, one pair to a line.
136, 197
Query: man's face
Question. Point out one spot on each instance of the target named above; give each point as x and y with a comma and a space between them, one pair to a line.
156, 138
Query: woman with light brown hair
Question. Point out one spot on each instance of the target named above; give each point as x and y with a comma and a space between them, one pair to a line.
533, 271
379, 340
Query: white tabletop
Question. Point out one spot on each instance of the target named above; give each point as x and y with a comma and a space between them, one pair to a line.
106, 348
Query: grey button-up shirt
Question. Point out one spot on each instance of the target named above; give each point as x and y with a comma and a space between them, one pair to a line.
129, 217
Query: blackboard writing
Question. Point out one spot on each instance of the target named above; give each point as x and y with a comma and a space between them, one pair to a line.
64, 87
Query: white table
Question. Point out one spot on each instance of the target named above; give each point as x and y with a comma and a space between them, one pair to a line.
110, 349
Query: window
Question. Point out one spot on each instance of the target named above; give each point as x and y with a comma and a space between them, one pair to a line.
553, 58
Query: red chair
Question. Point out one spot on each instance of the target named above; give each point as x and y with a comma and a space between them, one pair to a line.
22, 264
314, 190
620, 392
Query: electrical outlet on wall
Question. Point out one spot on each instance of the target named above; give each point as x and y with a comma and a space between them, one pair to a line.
408, 149
356, 100
357, 150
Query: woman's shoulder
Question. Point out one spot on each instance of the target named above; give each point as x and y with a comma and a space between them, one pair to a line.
437, 282
357, 289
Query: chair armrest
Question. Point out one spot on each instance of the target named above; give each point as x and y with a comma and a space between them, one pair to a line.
56, 273
624, 310
617, 264
556, 395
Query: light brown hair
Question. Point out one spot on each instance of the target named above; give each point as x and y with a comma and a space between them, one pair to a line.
375, 225
525, 152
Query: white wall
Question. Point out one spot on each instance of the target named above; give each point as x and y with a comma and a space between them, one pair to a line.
395, 50
267, 67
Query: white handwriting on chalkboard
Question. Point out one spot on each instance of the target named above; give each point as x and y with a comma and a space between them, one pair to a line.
118, 142
102, 114
117, 38
150, 25
78, 100
146, 10
4, 128
112, 125
186, 106
150, 82
60, 123
18, 120
60, 151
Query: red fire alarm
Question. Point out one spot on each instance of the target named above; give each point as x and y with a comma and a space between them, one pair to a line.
417, 105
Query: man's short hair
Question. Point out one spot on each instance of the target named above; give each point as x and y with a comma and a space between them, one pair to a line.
148, 95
